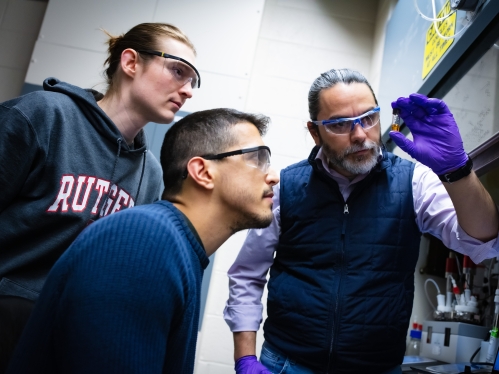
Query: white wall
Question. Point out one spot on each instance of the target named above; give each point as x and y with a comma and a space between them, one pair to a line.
20, 22
385, 9
72, 48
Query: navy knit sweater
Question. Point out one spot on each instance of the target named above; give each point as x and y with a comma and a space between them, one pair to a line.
124, 298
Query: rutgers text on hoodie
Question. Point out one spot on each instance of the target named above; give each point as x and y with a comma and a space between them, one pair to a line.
63, 164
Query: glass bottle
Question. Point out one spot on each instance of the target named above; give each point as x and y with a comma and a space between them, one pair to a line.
414, 346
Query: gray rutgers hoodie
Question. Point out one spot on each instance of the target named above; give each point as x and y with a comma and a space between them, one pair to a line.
63, 164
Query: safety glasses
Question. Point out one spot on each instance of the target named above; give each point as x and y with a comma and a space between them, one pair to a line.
343, 126
256, 157
182, 70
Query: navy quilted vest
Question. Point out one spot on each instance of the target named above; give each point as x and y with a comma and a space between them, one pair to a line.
342, 284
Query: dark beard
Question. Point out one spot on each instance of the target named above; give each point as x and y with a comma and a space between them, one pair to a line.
252, 221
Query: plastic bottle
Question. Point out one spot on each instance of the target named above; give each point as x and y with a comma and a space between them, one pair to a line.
491, 352
414, 346
493, 341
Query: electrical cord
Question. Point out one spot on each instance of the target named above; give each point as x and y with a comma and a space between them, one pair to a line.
474, 354
483, 363
426, 291
435, 20
458, 267
460, 31
467, 368
431, 19
489, 275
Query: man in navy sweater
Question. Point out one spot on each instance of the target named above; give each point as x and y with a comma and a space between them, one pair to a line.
124, 298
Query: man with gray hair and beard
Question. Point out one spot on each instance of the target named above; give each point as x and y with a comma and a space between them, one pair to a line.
346, 233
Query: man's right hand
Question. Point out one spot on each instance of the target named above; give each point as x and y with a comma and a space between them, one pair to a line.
437, 142
250, 365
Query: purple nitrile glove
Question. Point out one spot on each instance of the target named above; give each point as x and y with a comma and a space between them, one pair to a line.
437, 142
250, 365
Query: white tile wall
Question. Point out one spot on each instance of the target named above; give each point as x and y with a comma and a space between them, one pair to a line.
10, 40
215, 345
3, 7
292, 136
303, 62
76, 24
224, 34
12, 82
352, 9
20, 22
385, 10
23, 15
203, 367
215, 348
73, 65
319, 30
279, 162
218, 91
278, 96
220, 348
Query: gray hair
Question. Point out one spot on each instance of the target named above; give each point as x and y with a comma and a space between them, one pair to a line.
328, 80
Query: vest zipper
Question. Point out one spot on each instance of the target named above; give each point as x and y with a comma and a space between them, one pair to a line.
344, 228
343, 231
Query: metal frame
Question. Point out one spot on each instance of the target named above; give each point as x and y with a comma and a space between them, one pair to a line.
486, 156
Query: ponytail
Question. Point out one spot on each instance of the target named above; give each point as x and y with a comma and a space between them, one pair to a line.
143, 36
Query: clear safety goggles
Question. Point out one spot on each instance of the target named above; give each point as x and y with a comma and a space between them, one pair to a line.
256, 157
181, 70
343, 126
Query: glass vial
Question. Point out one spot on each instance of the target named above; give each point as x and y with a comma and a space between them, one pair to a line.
396, 120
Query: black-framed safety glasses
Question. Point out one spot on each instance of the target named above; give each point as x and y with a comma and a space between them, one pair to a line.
182, 70
256, 157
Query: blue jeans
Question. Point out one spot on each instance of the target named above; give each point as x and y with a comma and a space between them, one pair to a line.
278, 363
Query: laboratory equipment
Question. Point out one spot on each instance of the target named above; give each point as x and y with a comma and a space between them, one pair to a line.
414, 346
464, 4
451, 341
469, 270
493, 341
396, 120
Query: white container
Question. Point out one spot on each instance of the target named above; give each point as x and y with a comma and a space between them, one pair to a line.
451, 341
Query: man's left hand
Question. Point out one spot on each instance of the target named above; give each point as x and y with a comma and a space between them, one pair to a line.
437, 142
250, 365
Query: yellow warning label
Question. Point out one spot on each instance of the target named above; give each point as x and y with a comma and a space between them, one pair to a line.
435, 46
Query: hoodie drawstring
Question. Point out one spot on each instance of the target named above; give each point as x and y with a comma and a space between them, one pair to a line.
141, 174
119, 140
